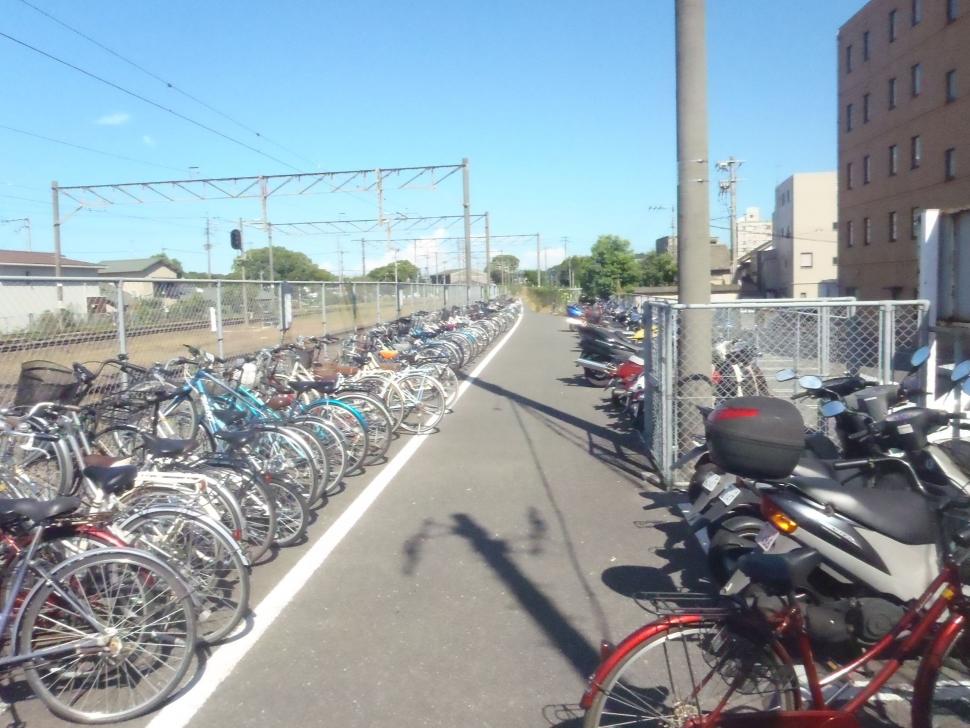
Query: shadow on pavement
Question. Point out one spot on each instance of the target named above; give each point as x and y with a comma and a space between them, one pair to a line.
618, 450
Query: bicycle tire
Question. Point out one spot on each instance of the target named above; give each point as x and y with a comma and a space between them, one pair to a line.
173, 629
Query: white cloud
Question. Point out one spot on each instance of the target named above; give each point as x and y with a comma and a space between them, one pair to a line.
116, 119
148, 140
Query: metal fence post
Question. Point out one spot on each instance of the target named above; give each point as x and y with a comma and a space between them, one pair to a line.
120, 304
668, 428
378, 302
824, 333
886, 341
648, 381
353, 303
219, 332
323, 306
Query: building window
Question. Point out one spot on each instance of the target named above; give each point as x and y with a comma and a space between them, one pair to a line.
849, 234
866, 231
865, 46
805, 260
893, 159
866, 169
914, 220
892, 93
851, 291
915, 152
952, 10
917, 15
848, 117
865, 108
951, 85
848, 175
950, 163
916, 79
848, 58
892, 25
893, 227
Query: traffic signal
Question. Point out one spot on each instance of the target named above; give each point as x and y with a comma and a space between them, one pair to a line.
235, 239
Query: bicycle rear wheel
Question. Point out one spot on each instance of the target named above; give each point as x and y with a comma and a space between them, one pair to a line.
680, 672
148, 608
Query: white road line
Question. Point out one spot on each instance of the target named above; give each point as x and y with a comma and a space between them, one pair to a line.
226, 658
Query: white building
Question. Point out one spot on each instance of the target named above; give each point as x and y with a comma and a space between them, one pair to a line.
25, 301
805, 234
752, 231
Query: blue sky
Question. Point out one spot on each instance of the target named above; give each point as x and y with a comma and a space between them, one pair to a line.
564, 108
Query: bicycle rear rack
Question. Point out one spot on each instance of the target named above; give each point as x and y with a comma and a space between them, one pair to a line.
674, 603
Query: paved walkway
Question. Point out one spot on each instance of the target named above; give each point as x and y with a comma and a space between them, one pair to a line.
476, 588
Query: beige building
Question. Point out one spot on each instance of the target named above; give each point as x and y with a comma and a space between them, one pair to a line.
904, 136
154, 268
805, 235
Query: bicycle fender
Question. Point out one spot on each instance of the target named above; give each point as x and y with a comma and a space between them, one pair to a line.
628, 644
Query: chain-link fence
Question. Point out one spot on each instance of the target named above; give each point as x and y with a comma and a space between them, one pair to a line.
92, 319
749, 342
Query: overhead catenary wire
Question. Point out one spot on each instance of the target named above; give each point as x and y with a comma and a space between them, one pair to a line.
166, 82
89, 149
147, 100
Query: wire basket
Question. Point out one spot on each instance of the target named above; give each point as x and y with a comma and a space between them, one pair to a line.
45, 381
125, 408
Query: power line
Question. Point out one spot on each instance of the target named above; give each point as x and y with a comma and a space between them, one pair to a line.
146, 100
783, 237
88, 149
167, 83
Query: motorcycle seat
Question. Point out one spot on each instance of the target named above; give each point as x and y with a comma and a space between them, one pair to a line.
780, 573
902, 515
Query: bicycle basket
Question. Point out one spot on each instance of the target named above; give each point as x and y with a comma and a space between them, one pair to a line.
45, 381
124, 408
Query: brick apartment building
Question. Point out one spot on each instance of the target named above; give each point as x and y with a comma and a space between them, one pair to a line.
904, 136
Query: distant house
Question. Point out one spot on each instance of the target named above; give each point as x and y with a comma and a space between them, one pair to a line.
457, 275
23, 301
154, 268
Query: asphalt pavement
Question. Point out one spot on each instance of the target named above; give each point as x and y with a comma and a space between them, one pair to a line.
477, 586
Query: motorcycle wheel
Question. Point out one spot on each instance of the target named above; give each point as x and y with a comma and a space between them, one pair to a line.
595, 378
728, 545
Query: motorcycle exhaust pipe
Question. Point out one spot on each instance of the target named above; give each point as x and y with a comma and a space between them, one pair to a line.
596, 366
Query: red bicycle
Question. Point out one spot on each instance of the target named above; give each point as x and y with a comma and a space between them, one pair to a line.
738, 663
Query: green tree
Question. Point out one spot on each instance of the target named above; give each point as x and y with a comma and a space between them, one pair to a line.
658, 269
530, 277
502, 265
288, 265
612, 267
406, 271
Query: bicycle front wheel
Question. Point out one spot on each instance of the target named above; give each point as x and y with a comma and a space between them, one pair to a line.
683, 671
148, 635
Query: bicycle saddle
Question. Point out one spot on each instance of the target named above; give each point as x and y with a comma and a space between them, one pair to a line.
112, 480
167, 447
38, 511
315, 385
237, 438
230, 416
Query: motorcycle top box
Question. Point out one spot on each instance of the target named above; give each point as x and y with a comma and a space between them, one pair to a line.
756, 437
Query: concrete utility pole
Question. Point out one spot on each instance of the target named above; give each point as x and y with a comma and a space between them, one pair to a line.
488, 250
208, 248
693, 207
363, 259
466, 204
730, 188
242, 271
538, 260
56, 213
267, 225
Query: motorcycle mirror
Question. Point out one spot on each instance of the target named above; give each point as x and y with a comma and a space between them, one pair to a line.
810, 382
832, 408
961, 371
919, 357
785, 375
